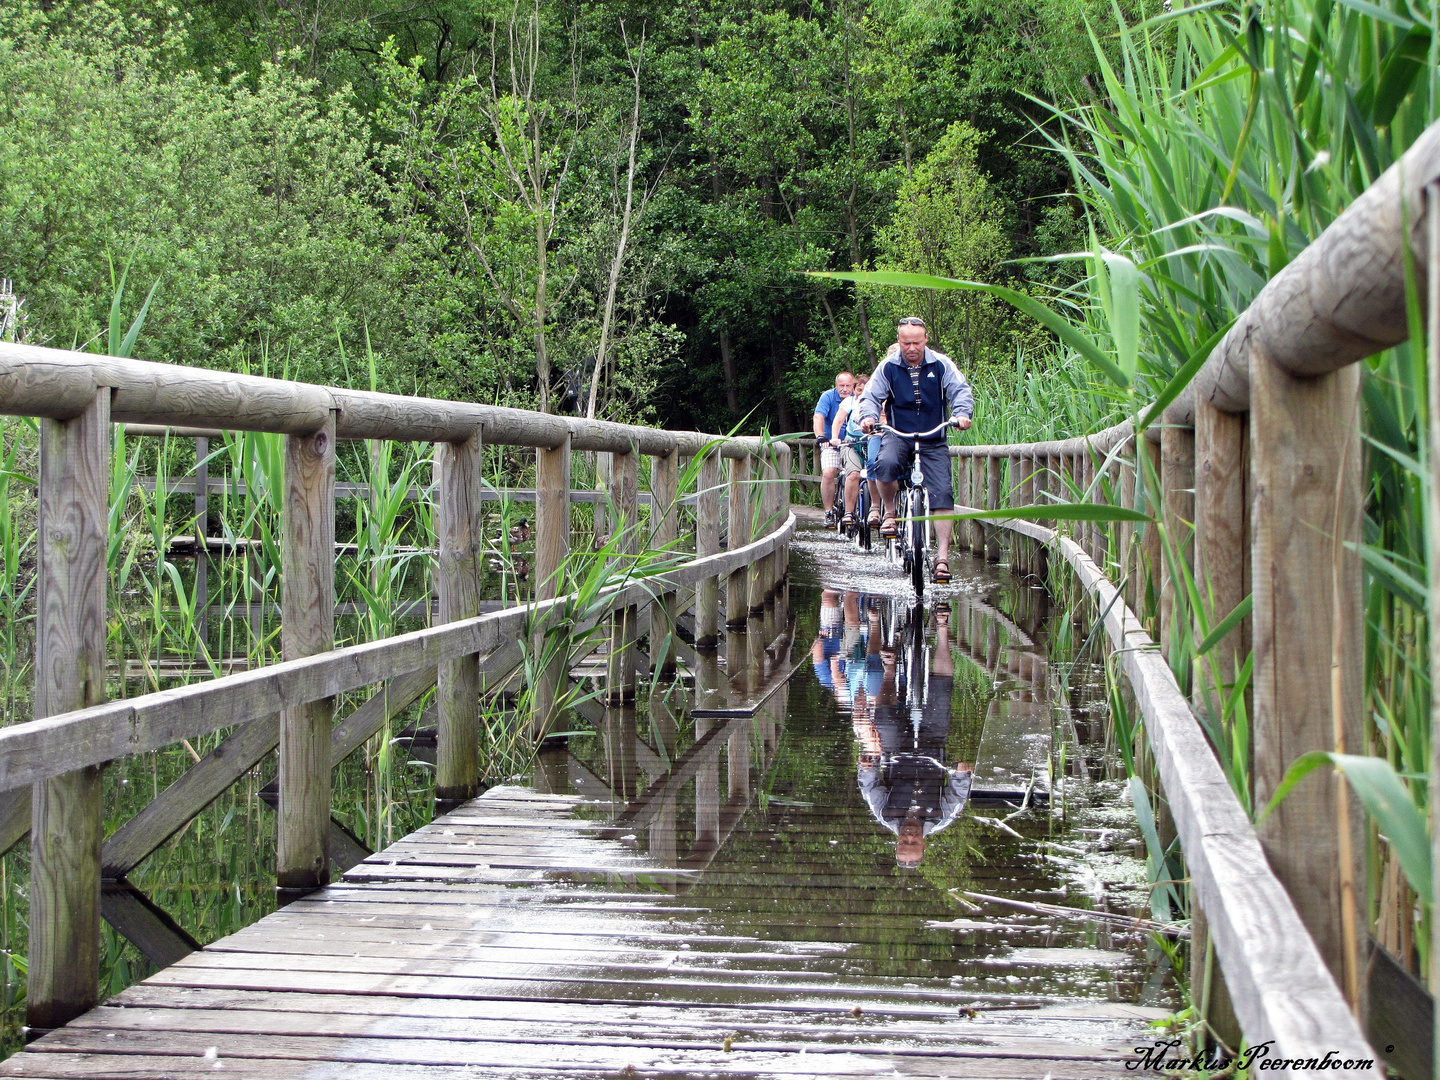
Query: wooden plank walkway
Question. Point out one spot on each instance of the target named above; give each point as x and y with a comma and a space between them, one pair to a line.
520, 936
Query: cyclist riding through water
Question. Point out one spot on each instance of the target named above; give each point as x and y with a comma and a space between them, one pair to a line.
918, 389
857, 455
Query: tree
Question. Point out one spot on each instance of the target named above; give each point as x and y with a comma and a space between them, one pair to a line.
948, 222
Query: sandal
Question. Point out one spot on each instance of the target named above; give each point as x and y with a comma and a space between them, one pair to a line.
888, 529
942, 573
874, 520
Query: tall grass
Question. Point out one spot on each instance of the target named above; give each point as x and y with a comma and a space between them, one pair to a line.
1224, 139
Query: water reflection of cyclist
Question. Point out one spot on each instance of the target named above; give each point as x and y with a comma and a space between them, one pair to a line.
849, 634
903, 778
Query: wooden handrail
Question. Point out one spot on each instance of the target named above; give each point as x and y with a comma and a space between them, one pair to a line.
59, 385
79, 396
1260, 491
40, 749
1280, 984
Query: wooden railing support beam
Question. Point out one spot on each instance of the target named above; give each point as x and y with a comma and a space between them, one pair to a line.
1177, 480
1306, 500
625, 487
1221, 558
460, 525
552, 548
1151, 549
978, 473
307, 627
993, 466
707, 542
766, 476
202, 516
74, 499
1125, 533
664, 530
737, 585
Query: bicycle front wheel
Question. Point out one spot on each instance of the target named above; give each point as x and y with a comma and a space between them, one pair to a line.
916, 525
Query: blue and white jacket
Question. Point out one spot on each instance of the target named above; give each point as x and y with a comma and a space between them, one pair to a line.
944, 394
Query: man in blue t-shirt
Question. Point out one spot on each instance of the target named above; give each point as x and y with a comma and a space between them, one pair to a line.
825, 410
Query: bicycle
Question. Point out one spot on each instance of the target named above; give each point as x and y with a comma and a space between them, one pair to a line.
910, 547
855, 526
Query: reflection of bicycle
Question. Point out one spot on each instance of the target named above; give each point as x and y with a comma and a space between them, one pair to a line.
916, 667
910, 547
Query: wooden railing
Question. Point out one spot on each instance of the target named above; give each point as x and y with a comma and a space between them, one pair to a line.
60, 754
1259, 468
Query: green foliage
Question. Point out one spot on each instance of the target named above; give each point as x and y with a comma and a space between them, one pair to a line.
949, 224
256, 206
1387, 801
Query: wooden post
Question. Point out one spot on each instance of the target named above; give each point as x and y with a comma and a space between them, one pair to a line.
1089, 492
961, 533
707, 542
552, 548
1022, 486
737, 587
760, 568
621, 743
1095, 488
600, 518
1177, 479
784, 502
1151, 550
1220, 555
202, 530
664, 529
1306, 505
1052, 488
979, 479
307, 627
460, 525
992, 502
625, 489
707, 792
1125, 534
66, 820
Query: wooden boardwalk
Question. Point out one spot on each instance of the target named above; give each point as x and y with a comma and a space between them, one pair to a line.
519, 936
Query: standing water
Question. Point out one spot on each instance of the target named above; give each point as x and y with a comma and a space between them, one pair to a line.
927, 807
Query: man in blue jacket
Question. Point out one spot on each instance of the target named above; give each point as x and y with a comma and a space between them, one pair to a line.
919, 389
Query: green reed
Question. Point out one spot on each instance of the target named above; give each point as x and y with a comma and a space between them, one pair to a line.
1224, 140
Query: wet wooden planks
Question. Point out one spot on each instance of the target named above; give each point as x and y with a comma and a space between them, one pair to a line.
563, 956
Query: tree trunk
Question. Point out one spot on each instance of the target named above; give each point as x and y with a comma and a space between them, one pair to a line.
782, 404
727, 361
619, 260
542, 356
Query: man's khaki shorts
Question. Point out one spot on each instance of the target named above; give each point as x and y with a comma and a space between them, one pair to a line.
850, 460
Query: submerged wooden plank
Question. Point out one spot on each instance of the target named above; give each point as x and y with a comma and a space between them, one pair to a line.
1095, 1021
598, 1051
73, 1066
523, 945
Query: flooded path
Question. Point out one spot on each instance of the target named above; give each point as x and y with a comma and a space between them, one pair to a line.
846, 848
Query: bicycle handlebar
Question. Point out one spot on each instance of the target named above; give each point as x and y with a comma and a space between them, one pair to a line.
916, 434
